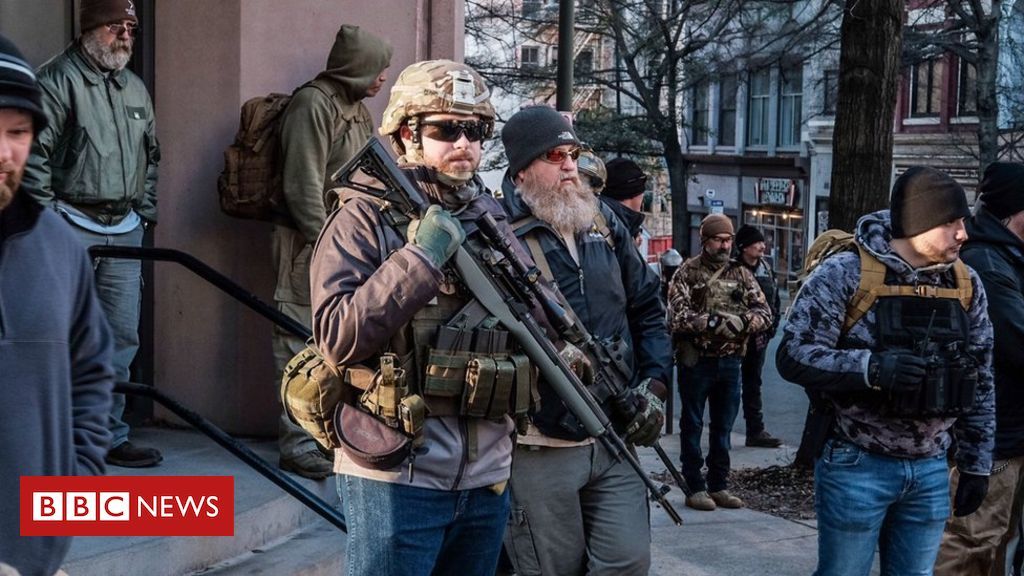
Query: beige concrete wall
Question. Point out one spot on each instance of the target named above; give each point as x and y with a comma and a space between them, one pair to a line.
210, 57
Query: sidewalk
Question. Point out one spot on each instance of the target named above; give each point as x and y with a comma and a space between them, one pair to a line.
729, 542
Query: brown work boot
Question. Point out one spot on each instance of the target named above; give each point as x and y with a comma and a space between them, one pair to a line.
312, 465
726, 500
763, 440
700, 501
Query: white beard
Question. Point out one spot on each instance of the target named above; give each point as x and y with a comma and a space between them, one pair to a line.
569, 210
113, 57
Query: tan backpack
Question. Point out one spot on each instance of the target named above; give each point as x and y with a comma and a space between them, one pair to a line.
872, 277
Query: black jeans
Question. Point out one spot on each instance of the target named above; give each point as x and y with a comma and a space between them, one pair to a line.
753, 363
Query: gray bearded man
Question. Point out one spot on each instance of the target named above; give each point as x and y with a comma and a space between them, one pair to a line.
95, 164
587, 512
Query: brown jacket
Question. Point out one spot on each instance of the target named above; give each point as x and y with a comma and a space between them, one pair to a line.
363, 307
694, 299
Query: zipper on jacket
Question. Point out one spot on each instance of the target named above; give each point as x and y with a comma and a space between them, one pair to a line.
120, 143
464, 433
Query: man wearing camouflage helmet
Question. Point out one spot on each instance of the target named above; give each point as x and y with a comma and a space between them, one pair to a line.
381, 297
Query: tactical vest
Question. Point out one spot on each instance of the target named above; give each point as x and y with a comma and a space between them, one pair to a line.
722, 295
452, 359
933, 323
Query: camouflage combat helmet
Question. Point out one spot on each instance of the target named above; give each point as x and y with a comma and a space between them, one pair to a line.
438, 87
591, 166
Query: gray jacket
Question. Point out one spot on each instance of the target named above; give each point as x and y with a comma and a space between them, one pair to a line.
99, 152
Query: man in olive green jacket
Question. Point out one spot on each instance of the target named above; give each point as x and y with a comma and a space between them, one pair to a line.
95, 164
325, 124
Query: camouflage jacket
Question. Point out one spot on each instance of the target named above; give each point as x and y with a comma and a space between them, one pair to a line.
815, 354
694, 300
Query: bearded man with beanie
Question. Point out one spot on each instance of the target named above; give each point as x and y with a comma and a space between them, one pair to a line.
55, 347
715, 305
96, 164
575, 509
977, 543
903, 370
750, 248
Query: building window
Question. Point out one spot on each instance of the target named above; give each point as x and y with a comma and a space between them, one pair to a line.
554, 56
760, 97
791, 87
967, 90
699, 99
926, 90
531, 7
584, 63
831, 92
727, 112
529, 56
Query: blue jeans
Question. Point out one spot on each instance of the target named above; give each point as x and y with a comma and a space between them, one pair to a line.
716, 382
119, 288
401, 530
864, 499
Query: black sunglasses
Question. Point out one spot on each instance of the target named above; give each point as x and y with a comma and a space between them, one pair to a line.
452, 130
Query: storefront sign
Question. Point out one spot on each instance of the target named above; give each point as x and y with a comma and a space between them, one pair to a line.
779, 191
717, 207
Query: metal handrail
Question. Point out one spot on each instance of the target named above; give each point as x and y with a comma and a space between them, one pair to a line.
207, 273
241, 451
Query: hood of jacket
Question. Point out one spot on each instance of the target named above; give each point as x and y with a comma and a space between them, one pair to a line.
984, 227
355, 61
631, 218
874, 234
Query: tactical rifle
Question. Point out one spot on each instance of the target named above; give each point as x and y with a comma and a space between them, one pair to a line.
510, 305
612, 375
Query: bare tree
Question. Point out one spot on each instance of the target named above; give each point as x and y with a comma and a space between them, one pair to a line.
971, 30
869, 65
662, 49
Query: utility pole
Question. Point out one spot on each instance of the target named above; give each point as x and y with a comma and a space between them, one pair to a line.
566, 21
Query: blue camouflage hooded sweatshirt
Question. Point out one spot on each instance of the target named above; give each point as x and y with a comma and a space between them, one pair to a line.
815, 354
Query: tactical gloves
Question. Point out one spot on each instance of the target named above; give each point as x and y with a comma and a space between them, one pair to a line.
647, 408
727, 325
970, 493
896, 371
437, 233
579, 363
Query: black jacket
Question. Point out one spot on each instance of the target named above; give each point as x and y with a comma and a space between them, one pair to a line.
633, 220
997, 255
613, 292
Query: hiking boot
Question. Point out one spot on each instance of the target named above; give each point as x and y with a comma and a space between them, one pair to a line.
312, 465
725, 500
763, 440
700, 501
128, 455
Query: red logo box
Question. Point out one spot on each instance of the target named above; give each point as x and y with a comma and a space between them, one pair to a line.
127, 506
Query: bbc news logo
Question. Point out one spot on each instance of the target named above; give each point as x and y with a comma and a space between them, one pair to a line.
127, 506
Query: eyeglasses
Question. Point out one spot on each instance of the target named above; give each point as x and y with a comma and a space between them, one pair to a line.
118, 29
558, 156
452, 130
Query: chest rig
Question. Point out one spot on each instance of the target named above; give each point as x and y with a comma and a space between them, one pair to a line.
452, 359
931, 322
721, 295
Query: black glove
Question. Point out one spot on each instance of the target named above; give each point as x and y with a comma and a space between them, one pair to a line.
970, 493
896, 371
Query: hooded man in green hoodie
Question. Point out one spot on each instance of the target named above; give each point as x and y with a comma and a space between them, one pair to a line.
325, 124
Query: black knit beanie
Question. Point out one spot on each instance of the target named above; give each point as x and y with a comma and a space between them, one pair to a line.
748, 235
625, 179
94, 13
923, 198
18, 86
533, 131
1002, 188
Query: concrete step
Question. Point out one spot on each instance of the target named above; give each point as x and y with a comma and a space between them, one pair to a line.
264, 514
317, 550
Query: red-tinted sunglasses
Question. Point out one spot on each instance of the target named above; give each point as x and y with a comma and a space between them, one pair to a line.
557, 155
